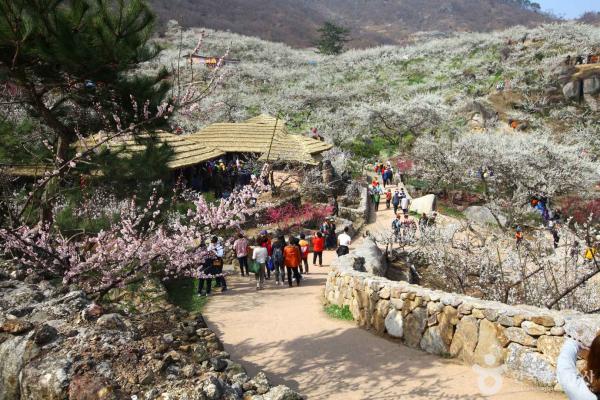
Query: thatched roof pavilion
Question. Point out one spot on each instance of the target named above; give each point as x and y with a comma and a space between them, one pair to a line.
186, 152
264, 135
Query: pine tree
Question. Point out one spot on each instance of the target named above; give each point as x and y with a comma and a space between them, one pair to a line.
332, 39
68, 63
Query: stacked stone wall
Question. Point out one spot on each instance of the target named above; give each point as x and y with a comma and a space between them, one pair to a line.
524, 341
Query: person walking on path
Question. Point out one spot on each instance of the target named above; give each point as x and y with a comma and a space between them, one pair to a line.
344, 241
397, 229
292, 260
240, 246
265, 241
330, 234
404, 204
318, 243
388, 199
217, 250
304, 250
396, 201
376, 196
259, 256
579, 386
277, 259
206, 276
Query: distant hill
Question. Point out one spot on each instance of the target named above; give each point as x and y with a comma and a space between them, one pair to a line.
372, 22
591, 18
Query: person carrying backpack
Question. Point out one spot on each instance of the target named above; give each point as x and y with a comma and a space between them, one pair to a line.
304, 249
277, 259
292, 260
396, 201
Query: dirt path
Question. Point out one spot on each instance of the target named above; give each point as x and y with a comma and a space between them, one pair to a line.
285, 332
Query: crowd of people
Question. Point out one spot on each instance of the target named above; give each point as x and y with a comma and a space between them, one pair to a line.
273, 255
221, 176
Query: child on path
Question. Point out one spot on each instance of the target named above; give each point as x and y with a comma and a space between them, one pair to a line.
291, 260
318, 243
304, 248
260, 255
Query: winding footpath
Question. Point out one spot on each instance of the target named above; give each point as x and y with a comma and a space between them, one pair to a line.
285, 332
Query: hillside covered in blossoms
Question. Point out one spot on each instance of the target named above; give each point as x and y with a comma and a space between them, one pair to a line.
457, 84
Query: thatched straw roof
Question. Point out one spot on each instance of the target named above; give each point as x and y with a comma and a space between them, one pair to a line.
264, 135
34, 171
186, 152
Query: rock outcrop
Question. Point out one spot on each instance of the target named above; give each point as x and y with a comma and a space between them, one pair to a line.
425, 204
60, 345
366, 258
483, 216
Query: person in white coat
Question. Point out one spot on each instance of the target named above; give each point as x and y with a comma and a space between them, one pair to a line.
575, 385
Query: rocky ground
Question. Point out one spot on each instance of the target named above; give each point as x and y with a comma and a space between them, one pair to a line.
57, 344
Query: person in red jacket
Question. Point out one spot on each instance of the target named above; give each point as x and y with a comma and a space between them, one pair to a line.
318, 243
265, 241
292, 260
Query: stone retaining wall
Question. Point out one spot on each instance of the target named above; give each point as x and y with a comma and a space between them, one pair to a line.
523, 340
361, 214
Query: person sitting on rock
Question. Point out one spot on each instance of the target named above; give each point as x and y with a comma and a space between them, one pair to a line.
578, 386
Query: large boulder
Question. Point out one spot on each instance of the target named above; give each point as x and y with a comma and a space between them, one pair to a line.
527, 364
393, 324
572, 90
489, 351
46, 379
414, 326
583, 328
369, 258
15, 353
483, 216
434, 342
465, 339
425, 204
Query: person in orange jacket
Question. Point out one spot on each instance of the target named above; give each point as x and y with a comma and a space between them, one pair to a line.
304, 250
292, 259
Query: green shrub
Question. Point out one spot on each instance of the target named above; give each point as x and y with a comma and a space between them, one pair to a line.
183, 293
338, 312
